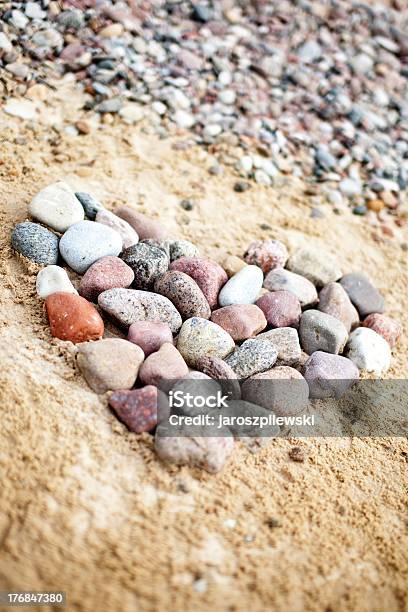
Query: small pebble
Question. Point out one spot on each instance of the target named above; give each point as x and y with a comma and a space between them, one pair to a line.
329, 375
57, 207
365, 297
201, 338
267, 254
281, 308
283, 390
35, 242
182, 248
284, 280
90, 205
319, 331
241, 186
390, 329
109, 364
286, 342
126, 231
232, 264
252, 357
298, 454
147, 262
369, 351
242, 288
106, 273
218, 369
163, 367
145, 227
208, 275
138, 409
184, 293
317, 266
333, 300
187, 205
73, 318
149, 336
241, 321
53, 279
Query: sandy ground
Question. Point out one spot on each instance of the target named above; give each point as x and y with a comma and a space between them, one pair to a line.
86, 507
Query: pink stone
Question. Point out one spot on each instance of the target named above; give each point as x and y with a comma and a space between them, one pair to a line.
208, 275
106, 273
138, 409
145, 226
149, 335
390, 329
281, 308
162, 367
267, 254
333, 300
241, 321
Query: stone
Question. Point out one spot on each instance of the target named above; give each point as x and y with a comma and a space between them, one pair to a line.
184, 293
90, 205
57, 207
190, 395
350, 188
23, 109
126, 231
114, 30
281, 308
86, 242
284, 280
241, 321
390, 329
138, 409
208, 275
163, 367
53, 279
333, 300
106, 273
219, 370
283, 390
73, 318
286, 342
317, 266
35, 242
319, 331
199, 338
243, 287
361, 63
329, 375
145, 227
110, 364
131, 113
232, 264
267, 254
365, 297
147, 262
369, 351
182, 248
128, 306
150, 336
252, 357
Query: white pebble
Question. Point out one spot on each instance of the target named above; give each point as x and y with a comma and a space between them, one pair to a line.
369, 351
243, 287
57, 207
52, 279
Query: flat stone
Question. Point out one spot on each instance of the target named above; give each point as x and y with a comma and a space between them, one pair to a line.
365, 297
200, 337
369, 351
57, 207
163, 367
219, 370
252, 357
147, 262
126, 231
390, 329
109, 364
319, 331
284, 280
73, 318
128, 306
145, 227
53, 279
137, 409
286, 342
281, 308
86, 242
267, 254
283, 390
329, 375
241, 321
317, 266
333, 300
90, 205
149, 336
182, 248
35, 242
243, 287
106, 273
208, 275
184, 293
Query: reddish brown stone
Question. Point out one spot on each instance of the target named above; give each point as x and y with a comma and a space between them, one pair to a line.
73, 318
144, 226
390, 329
208, 275
106, 273
241, 321
267, 254
137, 409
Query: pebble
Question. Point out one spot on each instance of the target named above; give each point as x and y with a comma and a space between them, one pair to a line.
126, 231
90, 205
369, 351
284, 280
317, 266
283, 390
365, 297
286, 342
57, 207
319, 331
329, 375
232, 264
147, 262
200, 338
267, 254
149, 335
333, 300
73, 318
138, 409
208, 275
86, 242
145, 227
252, 357
182, 248
35, 242
390, 329
24, 109
106, 273
218, 369
241, 186
163, 367
128, 306
241, 321
281, 308
53, 279
110, 364
184, 293
350, 188
243, 287
131, 113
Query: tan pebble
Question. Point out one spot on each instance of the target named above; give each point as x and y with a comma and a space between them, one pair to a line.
232, 264
112, 31
83, 127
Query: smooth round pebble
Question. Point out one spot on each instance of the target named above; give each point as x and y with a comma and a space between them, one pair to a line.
139, 409
184, 293
200, 338
243, 287
182, 248
281, 308
35, 242
283, 390
241, 321
208, 275
329, 375
317, 266
319, 331
390, 329
284, 280
369, 351
73, 318
232, 264
163, 367
90, 205
147, 262
286, 342
267, 254
333, 300
145, 227
219, 370
106, 273
149, 336
53, 279
365, 297
252, 357
57, 207
126, 231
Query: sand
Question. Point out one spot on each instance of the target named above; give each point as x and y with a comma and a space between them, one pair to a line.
87, 508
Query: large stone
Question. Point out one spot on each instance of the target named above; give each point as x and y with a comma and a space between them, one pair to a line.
317, 266
145, 227
267, 254
319, 331
241, 321
86, 242
242, 288
365, 297
281, 308
106, 273
147, 262
286, 342
163, 367
329, 375
57, 207
390, 329
252, 357
52, 279
284, 280
283, 390
90, 205
138, 409
35, 242
369, 351
184, 293
208, 275
200, 338
126, 231
73, 318
333, 300
149, 336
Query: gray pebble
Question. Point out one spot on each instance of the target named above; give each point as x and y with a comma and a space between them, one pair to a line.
182, 248
365, 297
184, 293
280, 279
252, 357
86, 242
286, 342
35, 242
316, 265
90, 205
147, 262
319, 331
329, 375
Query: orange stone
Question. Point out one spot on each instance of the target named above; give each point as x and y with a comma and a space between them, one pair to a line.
375, 205
73, 318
